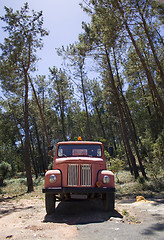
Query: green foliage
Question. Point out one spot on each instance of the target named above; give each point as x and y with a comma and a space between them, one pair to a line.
114, 164
153, 153
25, 33
124, 212
74, 101
5, 169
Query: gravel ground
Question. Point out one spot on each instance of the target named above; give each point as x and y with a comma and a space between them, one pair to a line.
25, 218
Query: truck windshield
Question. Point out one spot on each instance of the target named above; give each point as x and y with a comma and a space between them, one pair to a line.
75, 150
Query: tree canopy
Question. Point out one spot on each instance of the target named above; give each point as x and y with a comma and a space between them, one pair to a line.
121, 104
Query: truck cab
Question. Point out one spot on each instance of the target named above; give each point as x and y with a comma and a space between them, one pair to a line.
79, 172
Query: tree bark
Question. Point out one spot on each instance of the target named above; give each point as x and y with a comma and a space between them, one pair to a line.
100, 122
151, 44
41, 111
27, 140
112, 135
128, 160
42, 164
144, 94
119, 107
131, 125
86, 108
161, 38
151, 82
32, 157
61, 105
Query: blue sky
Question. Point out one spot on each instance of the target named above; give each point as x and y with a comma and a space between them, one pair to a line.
62, 18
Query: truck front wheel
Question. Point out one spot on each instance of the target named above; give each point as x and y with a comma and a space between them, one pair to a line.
109, 201
50, 200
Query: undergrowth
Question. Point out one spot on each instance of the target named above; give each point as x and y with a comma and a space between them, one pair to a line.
126, 185
17, 188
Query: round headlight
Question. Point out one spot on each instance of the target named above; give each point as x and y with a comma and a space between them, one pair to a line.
52, 179
106, 179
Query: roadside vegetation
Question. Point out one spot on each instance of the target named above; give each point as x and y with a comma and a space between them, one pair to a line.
16, 188
126, 187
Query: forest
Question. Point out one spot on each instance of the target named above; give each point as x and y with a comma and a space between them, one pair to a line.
110, 89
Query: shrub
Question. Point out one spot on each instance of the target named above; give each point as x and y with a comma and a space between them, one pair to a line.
114, 164
5, 169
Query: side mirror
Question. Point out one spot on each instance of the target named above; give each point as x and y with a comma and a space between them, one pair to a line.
111, 151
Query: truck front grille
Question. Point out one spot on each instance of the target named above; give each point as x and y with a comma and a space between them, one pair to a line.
73, 174
85, 175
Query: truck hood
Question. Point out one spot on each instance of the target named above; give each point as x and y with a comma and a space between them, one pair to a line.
78, 160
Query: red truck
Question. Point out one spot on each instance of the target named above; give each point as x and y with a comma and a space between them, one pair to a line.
79, 172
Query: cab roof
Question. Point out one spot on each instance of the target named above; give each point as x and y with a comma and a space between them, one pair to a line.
79, 142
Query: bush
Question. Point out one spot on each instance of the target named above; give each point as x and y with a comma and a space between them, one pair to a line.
155, 159
114, 164
5, 169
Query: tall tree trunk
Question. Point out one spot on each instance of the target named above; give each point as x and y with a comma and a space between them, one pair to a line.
63, 117
27, 140
159, 120
112, 135
45, 155
86, 108
100, 122
41, 160
41, 111
151, 44
161, 38
61, 106
129, 120
151, 122
144, 94
63, 124
128, 160
119, 107
151, 82
16, 124
32, 157
57, 127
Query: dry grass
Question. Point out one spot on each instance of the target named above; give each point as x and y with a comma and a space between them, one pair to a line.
126, 185
17, 188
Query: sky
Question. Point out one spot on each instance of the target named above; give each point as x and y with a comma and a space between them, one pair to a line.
62, 18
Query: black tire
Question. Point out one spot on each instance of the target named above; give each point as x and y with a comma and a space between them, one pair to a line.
109, 201
50, 200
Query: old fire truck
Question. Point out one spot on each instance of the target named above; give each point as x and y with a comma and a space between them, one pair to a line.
79, 172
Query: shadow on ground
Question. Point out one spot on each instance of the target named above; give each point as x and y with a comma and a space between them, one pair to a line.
10, 209
7, 207
8, 198
156, 227
80, 212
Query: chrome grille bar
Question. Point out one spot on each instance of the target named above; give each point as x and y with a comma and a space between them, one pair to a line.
73, 173
86, 175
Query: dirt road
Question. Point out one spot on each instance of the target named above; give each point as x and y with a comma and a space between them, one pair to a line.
26, 219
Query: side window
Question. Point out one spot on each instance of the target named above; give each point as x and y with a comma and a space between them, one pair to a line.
99, 152
60, 152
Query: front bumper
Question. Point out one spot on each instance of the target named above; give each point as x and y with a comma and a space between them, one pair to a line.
80, 190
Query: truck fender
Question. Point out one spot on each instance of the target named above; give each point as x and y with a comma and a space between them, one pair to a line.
53, 178
104, 173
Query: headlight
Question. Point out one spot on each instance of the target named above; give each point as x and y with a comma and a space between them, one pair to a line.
106, 179
52, 179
